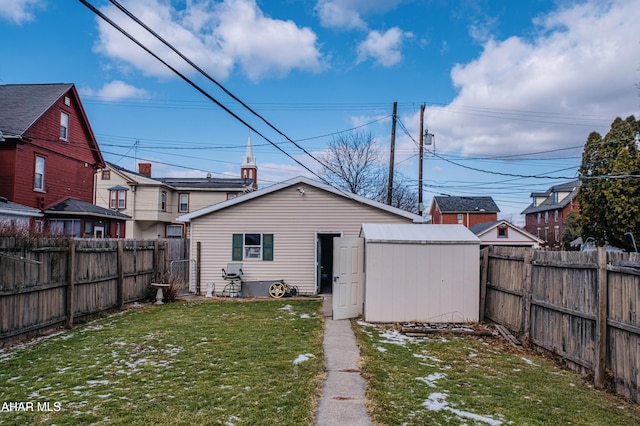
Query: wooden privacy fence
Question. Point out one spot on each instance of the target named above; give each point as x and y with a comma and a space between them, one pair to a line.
582, 306
49, 282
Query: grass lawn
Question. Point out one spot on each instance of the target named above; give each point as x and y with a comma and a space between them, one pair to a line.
447, 380
196, 363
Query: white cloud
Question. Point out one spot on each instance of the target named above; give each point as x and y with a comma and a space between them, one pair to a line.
339, 15
347, 14
383, 48
579, 72
265, 46
20, 11
215, 36
117, 90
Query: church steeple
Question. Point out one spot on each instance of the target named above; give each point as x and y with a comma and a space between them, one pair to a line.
249, 169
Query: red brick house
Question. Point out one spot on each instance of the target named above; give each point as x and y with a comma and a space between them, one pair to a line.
546, 215
467, 211
48, 159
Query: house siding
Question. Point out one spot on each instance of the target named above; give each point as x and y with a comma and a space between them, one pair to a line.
7, 170
294, 219
435, 282
468, 219
69, 165
63, 177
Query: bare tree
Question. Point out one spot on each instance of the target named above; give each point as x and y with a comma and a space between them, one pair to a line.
352, 162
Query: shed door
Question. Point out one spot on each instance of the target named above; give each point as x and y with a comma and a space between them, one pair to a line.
348, 285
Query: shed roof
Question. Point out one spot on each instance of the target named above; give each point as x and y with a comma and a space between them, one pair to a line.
417, 233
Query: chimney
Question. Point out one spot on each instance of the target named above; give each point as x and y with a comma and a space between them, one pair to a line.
144, 169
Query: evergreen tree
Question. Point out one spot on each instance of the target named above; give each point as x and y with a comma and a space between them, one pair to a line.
610, 193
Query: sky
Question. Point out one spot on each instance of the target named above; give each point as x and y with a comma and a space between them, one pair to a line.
512, 89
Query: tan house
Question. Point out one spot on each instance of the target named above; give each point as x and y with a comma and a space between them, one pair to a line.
154, 203
284, 231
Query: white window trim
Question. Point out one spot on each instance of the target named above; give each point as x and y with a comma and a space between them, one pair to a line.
64, 123
180, 209
40, 187
254, 250
117, 199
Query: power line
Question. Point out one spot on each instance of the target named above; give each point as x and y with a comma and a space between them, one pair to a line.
225, 90
192, 84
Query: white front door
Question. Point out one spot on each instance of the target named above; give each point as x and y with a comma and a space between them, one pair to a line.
348, 262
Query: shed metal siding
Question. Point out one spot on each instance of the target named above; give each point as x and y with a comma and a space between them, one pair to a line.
424, 279
293, 219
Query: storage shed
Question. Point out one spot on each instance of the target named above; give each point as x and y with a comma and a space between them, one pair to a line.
421, 273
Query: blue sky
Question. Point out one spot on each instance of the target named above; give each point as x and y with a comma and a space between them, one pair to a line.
512, 89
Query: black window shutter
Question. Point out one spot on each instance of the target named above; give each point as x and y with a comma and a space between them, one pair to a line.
267, 246
236, 253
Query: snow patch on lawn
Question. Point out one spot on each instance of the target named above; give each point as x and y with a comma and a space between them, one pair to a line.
393, 337
302, 358
431, 379
528, 361
437, 402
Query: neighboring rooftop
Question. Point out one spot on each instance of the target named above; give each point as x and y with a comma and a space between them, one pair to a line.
466, 204
556, 197
207, 182
73, 206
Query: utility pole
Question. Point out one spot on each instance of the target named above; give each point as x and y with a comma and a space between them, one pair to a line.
420, 156
391, 154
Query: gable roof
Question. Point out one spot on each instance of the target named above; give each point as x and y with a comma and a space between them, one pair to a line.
297, 181
550, 203
75, 207
22, 104
483, 228
466, 204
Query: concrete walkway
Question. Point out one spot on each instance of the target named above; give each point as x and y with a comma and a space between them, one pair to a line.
343, 394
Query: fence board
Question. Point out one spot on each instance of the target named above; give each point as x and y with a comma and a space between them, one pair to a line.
564, 315
43, 285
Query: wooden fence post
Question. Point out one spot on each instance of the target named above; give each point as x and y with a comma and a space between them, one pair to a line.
156, 261
71, 276
484, 274
601, 321
526, 296
120, 262
198, 254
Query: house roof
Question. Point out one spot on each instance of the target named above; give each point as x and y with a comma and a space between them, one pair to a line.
482, 228
232, 184
466, 204
22, 104
208, 183
75, 207
14, 209
417, 233
550, 203
291, 182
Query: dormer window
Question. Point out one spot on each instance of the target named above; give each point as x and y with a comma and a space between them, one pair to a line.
64, 126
